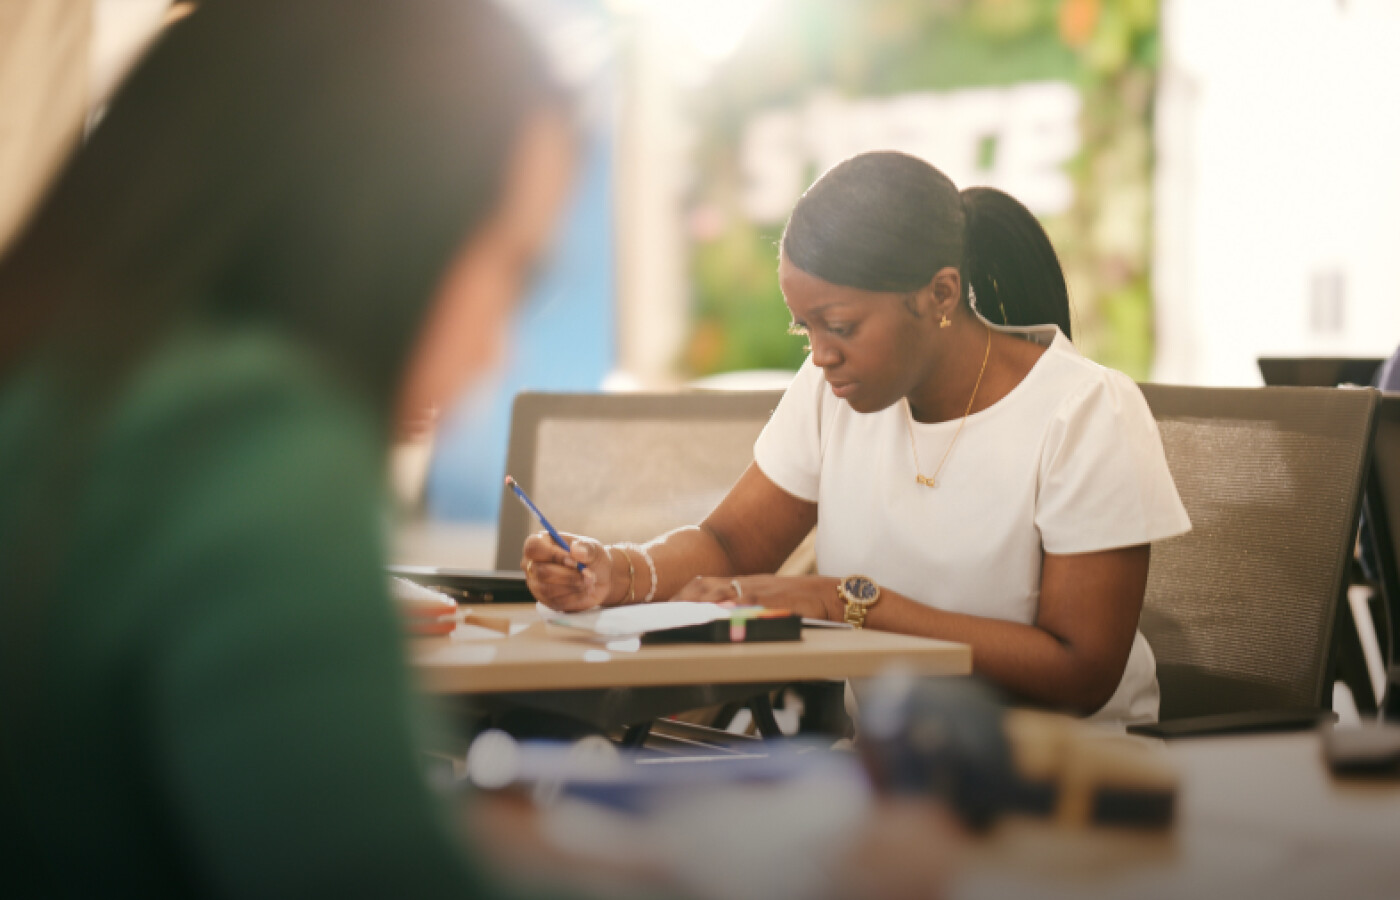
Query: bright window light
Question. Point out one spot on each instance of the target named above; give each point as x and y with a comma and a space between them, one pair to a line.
712, 28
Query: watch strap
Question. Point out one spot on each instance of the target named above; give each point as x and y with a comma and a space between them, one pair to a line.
857, 604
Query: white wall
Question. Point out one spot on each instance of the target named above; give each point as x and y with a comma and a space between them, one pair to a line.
1278, 184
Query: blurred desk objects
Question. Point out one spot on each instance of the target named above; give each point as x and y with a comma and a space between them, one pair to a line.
1237, 817
819, 822
1084, 812
1257, 816
798, 822
622, 684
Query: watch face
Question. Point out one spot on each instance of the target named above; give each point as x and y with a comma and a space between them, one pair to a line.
860, 589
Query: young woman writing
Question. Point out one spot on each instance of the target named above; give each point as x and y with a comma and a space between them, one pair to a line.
971, 477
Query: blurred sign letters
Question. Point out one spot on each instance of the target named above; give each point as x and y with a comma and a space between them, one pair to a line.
1015, 138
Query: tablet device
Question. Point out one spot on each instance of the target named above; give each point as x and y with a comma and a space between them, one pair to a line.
469, 585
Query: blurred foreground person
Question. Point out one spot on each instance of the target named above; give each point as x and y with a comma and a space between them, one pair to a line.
297, 223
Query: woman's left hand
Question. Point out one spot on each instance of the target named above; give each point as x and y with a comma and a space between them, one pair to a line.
810, 596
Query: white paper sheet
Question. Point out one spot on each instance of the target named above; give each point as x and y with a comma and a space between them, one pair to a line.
634, 620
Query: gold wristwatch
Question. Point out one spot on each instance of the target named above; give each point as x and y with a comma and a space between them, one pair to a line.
859, 593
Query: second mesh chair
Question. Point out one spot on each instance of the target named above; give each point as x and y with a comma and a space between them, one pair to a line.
626, 467
1383, 515
1240, 611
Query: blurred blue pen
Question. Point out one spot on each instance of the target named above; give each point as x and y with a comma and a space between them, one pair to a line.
530, 505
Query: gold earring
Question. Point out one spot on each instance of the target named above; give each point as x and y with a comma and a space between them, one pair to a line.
943, 322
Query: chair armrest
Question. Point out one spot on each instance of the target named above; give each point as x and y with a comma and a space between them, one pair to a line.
1261, 720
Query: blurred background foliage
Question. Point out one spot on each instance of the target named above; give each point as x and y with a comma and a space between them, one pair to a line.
1108, 49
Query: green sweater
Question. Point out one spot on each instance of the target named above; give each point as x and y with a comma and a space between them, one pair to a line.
210, 697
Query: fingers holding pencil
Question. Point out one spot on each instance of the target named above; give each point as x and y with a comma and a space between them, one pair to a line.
554, 577
534, 510
541, 547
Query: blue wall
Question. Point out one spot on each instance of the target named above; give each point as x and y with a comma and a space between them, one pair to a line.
563, 339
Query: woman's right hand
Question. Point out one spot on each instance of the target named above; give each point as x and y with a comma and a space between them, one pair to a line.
553, 577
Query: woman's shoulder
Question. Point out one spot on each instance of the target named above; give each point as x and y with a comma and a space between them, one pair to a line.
247, 382
209, 366
218, 455
198, 394
239, 418
1071, 379
809, 388
1082, 400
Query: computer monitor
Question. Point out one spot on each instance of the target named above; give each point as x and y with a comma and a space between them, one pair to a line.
1318, 371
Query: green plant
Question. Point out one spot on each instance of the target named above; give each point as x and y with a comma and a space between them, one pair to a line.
1107, 49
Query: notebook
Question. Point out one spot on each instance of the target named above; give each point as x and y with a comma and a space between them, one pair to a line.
673, 623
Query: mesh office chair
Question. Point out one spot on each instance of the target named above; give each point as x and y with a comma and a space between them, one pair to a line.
1349, 654
628, 467
1240, 611
1383, 521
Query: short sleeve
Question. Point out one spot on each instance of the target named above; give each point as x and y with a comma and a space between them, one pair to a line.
1104, 481
789, 449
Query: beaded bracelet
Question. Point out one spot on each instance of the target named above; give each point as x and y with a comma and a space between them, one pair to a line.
631, 573
651, 568
631, 578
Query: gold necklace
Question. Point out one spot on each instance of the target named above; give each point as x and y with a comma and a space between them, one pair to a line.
919, 476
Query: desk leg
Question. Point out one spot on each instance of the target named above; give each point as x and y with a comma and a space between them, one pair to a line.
762, 709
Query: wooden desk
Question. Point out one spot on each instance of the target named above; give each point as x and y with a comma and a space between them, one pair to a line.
541, 659
1259, 816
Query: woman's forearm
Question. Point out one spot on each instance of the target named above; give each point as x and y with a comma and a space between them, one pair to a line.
1025, 660
676, 557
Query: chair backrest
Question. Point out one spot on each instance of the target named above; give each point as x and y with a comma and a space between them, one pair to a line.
1239, 611
1383, 508
1318, 371
621, 467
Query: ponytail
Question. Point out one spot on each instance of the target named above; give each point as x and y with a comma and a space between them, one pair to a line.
887, 221
1008, 264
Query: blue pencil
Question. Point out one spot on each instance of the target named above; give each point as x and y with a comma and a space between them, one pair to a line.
530, 505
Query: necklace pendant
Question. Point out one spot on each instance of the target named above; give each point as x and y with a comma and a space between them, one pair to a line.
926, 481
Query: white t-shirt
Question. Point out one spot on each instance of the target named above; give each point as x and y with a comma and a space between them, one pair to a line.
1070, 461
